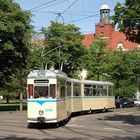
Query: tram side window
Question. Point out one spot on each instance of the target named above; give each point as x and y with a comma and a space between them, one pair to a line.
98, 93
61, 88
52, 90
88, 90
68, 89
110, 90
104, 90
94, 90
76, 89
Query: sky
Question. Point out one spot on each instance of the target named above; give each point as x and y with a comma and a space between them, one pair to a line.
82, 13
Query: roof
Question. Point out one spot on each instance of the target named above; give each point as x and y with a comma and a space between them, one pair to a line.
104, 6
88, 40
114, 38
46, 73
120, 38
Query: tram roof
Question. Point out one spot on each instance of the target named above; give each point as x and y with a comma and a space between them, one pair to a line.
92, 82
46, 73
57, 73
97, 82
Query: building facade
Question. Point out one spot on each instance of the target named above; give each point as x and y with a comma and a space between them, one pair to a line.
116, 40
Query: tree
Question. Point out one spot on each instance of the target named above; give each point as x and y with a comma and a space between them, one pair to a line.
15, 36
63, 47
122, 72
135, 59
127, 18
97, 58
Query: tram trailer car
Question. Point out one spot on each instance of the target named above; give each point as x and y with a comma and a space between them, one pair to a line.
52, 96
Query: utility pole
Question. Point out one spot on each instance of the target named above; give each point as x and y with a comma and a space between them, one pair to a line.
137, 83
21, 82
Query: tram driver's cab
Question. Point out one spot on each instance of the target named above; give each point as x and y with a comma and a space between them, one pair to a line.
42, 91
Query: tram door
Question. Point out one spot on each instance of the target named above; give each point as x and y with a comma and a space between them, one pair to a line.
76, 97
68, 94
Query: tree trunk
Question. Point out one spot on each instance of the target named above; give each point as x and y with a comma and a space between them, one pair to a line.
7, 99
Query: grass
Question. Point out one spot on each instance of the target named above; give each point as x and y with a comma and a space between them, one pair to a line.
13, 105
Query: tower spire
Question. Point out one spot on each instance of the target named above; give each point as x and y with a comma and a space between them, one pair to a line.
105, 13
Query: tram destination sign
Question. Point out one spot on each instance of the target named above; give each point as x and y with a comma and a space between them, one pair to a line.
41, 81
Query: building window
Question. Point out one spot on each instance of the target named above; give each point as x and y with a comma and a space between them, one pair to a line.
120, 47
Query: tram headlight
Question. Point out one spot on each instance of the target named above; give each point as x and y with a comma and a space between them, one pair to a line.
41, 112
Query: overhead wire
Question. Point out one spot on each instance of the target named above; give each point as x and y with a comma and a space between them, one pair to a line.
72, 13
41, 5
82, 18
59, 15
69, 7
49, 5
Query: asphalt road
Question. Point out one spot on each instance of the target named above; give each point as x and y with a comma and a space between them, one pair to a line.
119, 124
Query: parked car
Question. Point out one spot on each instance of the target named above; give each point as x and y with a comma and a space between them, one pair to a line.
137, 102
125, 102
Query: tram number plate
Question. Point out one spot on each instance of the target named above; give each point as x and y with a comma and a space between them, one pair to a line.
48, 109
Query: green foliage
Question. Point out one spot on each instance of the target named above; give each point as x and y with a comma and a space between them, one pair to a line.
15, 35
96, 59
123, 70
69, 54
121, 66
126, 89
127, 18
15, 38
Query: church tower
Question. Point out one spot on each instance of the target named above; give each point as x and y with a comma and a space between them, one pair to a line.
104, 28
105, 13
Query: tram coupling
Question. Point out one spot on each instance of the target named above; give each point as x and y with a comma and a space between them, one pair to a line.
41, 119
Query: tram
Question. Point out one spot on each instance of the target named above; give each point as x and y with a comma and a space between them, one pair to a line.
53, 97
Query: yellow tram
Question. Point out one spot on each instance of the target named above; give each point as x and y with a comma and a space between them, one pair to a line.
52, 96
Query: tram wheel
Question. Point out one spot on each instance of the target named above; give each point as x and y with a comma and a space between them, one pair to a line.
89, 111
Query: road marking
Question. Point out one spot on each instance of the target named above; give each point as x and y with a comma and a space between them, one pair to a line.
114, 129
72, 125
114, 121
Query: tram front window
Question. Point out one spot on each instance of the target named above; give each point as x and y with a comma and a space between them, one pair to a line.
41, 91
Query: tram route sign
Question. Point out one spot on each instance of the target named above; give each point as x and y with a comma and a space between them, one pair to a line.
41, 81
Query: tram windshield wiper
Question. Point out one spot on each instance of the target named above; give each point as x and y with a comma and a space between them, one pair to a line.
37, 93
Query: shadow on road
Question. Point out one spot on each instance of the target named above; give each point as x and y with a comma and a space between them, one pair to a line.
130, 119
113, 138
123, 138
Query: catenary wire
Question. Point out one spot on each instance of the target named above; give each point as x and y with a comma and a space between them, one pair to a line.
69, 7
41, 5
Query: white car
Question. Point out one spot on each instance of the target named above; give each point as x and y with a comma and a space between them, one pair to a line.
137, 102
